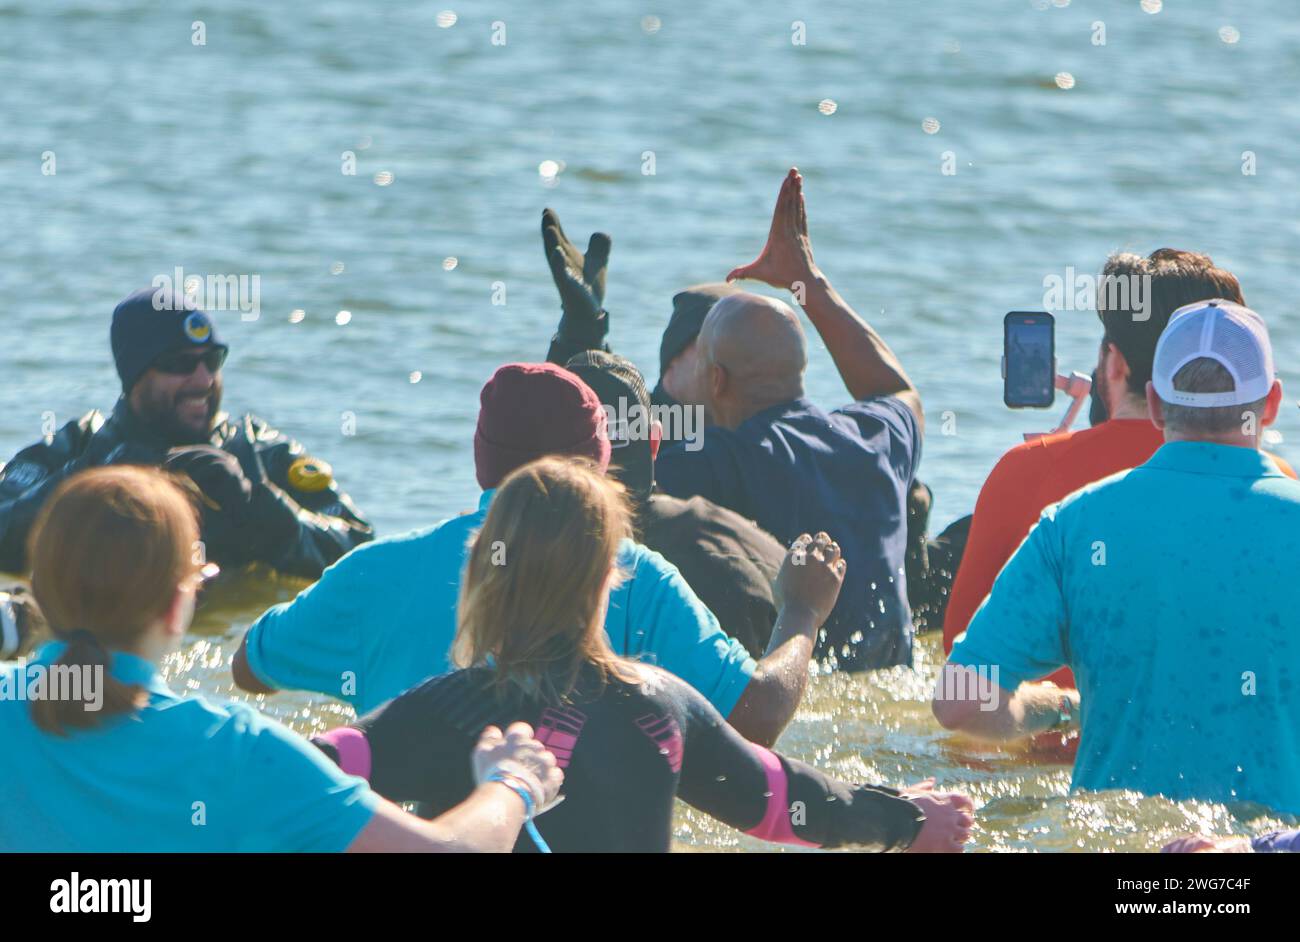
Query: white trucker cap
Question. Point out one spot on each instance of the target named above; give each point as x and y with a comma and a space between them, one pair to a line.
1223, 331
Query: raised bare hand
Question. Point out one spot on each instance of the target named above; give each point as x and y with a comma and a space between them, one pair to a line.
787, 257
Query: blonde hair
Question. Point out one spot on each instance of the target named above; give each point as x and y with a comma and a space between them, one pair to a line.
533, 598
108, 551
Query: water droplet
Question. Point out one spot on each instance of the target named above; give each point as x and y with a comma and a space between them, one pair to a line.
856, 637
1064, 80
343, 318
930, 125
365, 142
827, 106
651, 24
415, 376
296, 316
450, 262
446, 19
383, 178
1152, 6
1229, 34
336, 268
549, 171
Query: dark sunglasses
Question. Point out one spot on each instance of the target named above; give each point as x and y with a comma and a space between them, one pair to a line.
183, 364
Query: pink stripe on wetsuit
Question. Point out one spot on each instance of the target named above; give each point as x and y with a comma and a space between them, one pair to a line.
558, 730
777, 825
353, 749
667, 735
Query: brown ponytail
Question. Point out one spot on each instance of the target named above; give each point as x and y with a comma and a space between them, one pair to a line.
108, 552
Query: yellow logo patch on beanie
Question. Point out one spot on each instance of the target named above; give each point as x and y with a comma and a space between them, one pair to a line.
198, 328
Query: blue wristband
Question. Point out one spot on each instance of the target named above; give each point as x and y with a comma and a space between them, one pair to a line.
518, 787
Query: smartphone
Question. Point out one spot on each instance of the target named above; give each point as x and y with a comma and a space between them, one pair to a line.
1028, 360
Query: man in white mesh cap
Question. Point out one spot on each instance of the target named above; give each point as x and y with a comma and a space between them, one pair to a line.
1166, 589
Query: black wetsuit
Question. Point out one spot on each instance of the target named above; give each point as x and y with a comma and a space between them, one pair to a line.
726, 559
627, 750
297, 532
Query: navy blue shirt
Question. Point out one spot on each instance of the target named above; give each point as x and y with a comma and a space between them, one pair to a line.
795, 469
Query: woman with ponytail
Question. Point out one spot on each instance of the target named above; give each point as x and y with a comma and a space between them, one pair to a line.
113, 760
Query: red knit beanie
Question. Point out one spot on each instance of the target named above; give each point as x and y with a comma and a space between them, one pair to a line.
530, 410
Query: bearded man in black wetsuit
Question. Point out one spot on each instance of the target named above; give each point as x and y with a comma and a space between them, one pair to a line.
265, 499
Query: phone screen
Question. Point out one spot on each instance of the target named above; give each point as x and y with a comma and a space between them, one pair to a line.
1029, 360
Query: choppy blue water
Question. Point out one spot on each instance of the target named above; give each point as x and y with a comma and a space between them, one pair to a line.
226, 158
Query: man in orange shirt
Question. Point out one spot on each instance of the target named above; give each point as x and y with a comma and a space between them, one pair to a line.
1035, 474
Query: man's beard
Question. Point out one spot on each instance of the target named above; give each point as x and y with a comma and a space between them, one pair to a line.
161, 418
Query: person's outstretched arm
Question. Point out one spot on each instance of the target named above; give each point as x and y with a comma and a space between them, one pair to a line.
312, 642
865, 362
808, 585
488, 821
779, 799
1017, 636
580, 280
999, 714
515, 774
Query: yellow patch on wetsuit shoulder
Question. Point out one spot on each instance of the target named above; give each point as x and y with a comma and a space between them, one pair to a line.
310, 475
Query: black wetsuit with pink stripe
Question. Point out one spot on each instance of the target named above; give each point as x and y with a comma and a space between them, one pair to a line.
627, 750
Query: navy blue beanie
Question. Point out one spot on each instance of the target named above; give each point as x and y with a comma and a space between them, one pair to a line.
149, 323
690, 307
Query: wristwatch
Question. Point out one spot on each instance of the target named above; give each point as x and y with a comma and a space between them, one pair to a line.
1064, 713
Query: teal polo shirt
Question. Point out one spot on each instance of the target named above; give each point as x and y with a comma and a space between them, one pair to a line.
181, 774
1170, 591
383, 618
